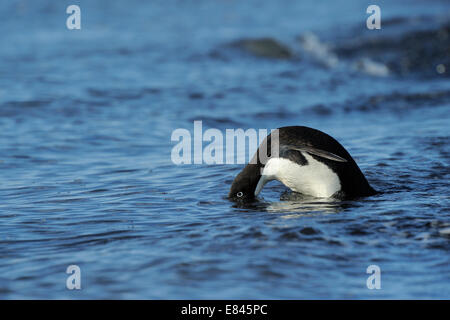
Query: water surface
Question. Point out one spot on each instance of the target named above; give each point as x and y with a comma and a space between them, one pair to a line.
87, 178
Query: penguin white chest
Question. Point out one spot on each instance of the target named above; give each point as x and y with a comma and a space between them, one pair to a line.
314, 178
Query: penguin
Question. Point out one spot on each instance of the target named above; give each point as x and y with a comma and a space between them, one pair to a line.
308, 161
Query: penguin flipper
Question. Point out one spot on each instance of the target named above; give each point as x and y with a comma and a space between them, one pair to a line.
317, 152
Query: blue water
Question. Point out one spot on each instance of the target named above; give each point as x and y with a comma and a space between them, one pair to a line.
86, 118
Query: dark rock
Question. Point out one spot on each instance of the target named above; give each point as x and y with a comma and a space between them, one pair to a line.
265, 47
424, 52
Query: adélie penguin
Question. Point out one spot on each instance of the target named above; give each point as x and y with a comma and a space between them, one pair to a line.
308, 161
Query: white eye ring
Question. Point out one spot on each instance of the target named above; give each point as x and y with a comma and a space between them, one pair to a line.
239, 194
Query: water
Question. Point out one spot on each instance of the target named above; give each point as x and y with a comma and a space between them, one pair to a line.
87, 178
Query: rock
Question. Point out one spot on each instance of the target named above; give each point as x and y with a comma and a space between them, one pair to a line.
265, 47
423, 52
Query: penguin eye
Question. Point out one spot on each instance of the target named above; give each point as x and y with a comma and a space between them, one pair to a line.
239, 194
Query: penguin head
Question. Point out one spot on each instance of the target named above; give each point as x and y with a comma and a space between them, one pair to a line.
244, 185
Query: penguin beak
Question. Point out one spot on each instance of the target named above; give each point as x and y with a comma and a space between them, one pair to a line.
261, 183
